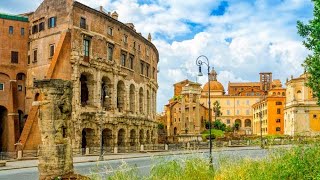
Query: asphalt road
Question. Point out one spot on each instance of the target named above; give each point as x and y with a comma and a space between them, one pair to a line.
143, 164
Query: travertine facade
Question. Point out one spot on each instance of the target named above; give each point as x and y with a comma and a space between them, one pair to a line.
301, 113
113, 70
185, 115
13, 57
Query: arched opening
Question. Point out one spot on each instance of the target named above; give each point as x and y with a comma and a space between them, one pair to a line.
237, 124
283, 93
175, 131
121, 137
141, 100
3, 128
141, 136
148, 102
22, 121
120, 96
132, 99
87, 138
106, 92
132, 137
247, 123
21, 76
107, 137
148, 137
86, 85
36, 97
299, 95
153, 137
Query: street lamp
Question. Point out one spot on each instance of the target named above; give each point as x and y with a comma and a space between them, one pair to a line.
199, 63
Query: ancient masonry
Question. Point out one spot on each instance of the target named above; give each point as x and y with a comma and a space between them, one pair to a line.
55, 127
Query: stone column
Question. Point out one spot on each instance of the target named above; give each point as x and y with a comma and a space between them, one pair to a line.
54, 119
183, 116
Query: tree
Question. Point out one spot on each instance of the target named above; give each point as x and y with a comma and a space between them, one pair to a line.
219, 125
236, 126
216, 110
311, 34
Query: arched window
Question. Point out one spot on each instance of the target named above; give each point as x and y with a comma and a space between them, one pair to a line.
120, 96
141, 100
132, 99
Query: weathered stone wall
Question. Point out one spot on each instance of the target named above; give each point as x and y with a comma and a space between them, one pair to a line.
55, 126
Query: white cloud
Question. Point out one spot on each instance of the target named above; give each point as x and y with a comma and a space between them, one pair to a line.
261, 35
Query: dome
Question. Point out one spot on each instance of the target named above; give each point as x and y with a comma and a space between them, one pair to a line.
214, 86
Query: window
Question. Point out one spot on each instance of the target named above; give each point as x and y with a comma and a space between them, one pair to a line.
41, 26
20, 76
28, 59
139, 47
35, 54
228, 121
247, 112
86, 48
238, 112
125, 39
278, 129
147, 51
34, 29
141, 67
238, 102
123, 59
314, 116
228, 102
110, 31
51, 53
1, 87
228, 112
278, 111
278, 120
10, 29
110, 52
19, 87
278, 103
147, 70
22, 31
83, 23
134, 45
131, 59
14, 57
52, 22
247, 102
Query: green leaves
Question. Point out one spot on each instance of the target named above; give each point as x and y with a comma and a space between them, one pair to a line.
311, 34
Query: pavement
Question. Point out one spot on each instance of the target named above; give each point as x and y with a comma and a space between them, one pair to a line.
29, 163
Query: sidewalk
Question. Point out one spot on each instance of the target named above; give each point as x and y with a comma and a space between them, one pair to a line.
19, 164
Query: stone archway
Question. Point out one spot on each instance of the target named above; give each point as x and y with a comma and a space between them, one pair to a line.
21, 121
106, 93
3, 128
148, 137
141, 136
132, 99
107, 139
88, 137
132, 137
86, 89
121, 137
247, 123
120, 96
141, 100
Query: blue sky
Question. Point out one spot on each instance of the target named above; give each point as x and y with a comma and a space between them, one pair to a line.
240, 37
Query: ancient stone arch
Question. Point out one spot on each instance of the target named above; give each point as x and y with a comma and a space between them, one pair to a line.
132, 99
121, 96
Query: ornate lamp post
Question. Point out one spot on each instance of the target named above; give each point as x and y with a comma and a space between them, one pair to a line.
199, 63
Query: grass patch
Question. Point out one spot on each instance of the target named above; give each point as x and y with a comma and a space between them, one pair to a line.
302, 162
214, 132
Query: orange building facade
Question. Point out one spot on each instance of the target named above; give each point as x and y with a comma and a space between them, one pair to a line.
270, 112
14, 32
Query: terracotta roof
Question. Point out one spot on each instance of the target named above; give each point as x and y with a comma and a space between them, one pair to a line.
244, 84
214, 86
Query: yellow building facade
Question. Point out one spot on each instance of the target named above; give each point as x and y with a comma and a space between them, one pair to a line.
301, 112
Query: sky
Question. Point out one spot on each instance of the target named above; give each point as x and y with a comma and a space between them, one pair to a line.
241, 38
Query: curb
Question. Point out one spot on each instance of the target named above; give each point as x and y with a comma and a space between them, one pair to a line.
167, 153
